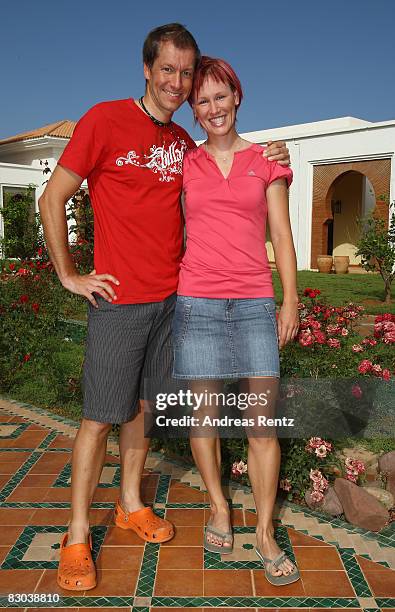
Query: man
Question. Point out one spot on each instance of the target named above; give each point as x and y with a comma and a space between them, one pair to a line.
131, 152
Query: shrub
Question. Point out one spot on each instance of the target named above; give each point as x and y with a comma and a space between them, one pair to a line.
327, 345
31, 302
376, 247
22, 230
80, 217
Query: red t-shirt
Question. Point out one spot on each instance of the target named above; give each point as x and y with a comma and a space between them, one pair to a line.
134, 172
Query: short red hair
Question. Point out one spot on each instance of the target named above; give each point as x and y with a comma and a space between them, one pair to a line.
220, 71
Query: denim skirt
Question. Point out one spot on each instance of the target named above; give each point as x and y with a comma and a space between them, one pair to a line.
225, 338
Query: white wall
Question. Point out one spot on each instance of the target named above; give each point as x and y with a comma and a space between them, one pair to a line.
15, 175
368, 197
30, 152
29, 157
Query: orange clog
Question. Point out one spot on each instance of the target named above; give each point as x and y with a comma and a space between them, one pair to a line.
145, 523
76, 571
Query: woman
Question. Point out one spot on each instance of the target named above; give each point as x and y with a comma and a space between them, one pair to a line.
225, 319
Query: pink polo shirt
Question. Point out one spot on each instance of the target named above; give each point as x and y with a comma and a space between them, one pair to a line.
226, 225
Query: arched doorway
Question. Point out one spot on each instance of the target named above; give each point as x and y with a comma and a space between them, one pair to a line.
342, 193
351, 197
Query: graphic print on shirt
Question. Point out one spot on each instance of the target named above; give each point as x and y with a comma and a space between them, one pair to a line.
161, 160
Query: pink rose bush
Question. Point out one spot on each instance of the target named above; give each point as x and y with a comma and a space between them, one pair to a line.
31, 299
357, 348
326, 329
329, 345
315, 469
308, 465
319, 447
367, 367
383, 335
285, 485
322, 324
306, 338
239, 468
354, 469
384, 328
311, 293
320, 485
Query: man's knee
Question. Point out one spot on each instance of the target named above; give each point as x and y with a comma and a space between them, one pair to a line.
95, 429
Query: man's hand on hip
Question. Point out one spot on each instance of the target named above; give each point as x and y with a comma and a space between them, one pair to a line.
278, 151
88, 284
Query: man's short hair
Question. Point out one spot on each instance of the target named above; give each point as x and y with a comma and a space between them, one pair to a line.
173, 32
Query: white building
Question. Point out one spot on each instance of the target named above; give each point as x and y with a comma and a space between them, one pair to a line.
20, 158
342, 168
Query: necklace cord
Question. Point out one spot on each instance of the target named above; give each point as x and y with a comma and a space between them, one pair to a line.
153, 119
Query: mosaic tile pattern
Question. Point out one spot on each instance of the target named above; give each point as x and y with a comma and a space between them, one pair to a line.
11, 430
47, 441
146, 581
245, 541
38, 547
20, 474
385, 602
355, 574
76, 602
254, 602
110, 477
162, 490
177, 574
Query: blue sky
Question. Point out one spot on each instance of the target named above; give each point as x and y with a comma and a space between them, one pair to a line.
298, 61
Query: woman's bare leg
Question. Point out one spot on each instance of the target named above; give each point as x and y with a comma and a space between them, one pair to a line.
206, 452
263, 469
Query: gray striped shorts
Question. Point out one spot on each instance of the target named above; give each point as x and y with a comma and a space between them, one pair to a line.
126, 346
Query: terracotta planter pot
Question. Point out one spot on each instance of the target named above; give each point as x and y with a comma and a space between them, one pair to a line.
341, 264
324, 263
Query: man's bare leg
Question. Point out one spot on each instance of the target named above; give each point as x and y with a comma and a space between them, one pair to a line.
133, 448
87, 462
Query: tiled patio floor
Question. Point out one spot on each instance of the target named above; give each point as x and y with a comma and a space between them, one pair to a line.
341, 566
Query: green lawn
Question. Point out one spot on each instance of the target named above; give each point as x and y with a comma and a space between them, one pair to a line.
337, 289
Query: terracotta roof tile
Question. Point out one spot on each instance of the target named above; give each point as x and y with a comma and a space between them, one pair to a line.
60, 129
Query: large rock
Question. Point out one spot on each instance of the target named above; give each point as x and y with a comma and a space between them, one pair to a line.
387, 462
384, 497
360, 508
372, 471
391, 483
362, 454
330, 504
311, 504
